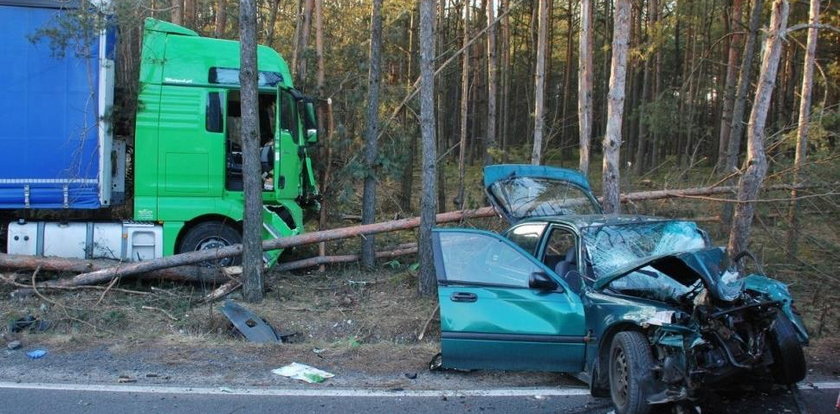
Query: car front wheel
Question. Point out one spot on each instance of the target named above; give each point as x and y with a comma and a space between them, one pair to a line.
788, 359
630, 371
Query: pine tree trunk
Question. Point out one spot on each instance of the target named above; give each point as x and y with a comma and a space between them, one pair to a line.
539, 84
643, 145
744, 79
302, 44
753, 177
189, 13
464, 101
372, 132
565, 118
612, 137
320, 82
177, 13
272, 21
740, 104
729, 83
427, 279
221, 19
585, 85
802, 127
506, 74
492, 82
252, 260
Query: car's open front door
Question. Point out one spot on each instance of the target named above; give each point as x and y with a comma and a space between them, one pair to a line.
500, 308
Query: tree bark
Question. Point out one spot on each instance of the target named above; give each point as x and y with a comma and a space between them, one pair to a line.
492, 82
372, 131
221, 19
740, 104
752, 179
299, 62
642, 148
612, 137
744, 79
427, 279
463, 107
730, 83
504, 6
60, 264
177, 13
585, 85
272, 21
539, 84
252, 260
320, 81
802, 127
189, 13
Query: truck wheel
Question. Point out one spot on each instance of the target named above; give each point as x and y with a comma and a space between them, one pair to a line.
630, 371
211, 235
788, 359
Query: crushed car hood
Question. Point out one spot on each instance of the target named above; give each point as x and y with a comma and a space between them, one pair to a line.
704, 263
712, 266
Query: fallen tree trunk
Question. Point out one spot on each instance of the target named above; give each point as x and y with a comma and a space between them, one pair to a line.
105, 275
349, 258
61, 264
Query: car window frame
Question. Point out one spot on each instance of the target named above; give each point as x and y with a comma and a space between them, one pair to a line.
445, 281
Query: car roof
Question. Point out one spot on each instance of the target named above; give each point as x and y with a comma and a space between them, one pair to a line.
589, 220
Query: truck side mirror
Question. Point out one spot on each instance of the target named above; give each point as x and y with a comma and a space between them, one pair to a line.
310, 121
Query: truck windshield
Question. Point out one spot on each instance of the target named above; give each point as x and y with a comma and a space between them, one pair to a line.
614, 247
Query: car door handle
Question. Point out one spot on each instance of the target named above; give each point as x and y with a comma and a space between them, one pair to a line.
463, 297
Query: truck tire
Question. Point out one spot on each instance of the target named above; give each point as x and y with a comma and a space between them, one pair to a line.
630, 372
211, 235
788, 359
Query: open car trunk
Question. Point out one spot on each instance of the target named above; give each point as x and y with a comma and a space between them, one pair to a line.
518, 192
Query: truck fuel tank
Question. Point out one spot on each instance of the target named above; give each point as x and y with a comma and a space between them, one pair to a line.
126, 241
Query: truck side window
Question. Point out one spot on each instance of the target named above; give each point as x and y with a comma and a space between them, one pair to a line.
213, 120
288, 113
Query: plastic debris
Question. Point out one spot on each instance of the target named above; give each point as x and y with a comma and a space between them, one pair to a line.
226, 389
251, 326
13, 345
36, 353
303, 372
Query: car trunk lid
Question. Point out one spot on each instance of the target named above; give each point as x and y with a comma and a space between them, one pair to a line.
518, 191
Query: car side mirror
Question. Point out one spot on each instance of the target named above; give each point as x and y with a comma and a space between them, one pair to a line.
541, 281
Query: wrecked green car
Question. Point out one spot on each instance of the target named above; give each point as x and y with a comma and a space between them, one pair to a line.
643, 306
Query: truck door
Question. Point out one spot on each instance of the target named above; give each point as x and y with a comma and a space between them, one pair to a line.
288, 162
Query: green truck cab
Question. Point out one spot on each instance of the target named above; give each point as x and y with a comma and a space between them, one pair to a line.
187, 147
65, 178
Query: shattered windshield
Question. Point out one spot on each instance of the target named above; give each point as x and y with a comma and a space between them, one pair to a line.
523, 197
614, 247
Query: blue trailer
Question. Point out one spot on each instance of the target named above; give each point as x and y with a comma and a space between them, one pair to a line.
58, 151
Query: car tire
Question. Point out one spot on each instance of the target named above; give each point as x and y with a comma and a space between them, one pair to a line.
211, 235
788, 358
630, 372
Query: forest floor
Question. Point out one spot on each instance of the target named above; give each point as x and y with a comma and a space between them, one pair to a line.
362, 326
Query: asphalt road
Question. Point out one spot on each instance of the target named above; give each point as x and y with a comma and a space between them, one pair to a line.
125, 399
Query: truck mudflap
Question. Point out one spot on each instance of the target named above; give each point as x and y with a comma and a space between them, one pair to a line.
273, 228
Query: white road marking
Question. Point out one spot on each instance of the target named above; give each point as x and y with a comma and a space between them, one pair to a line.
291, 392
511, 392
